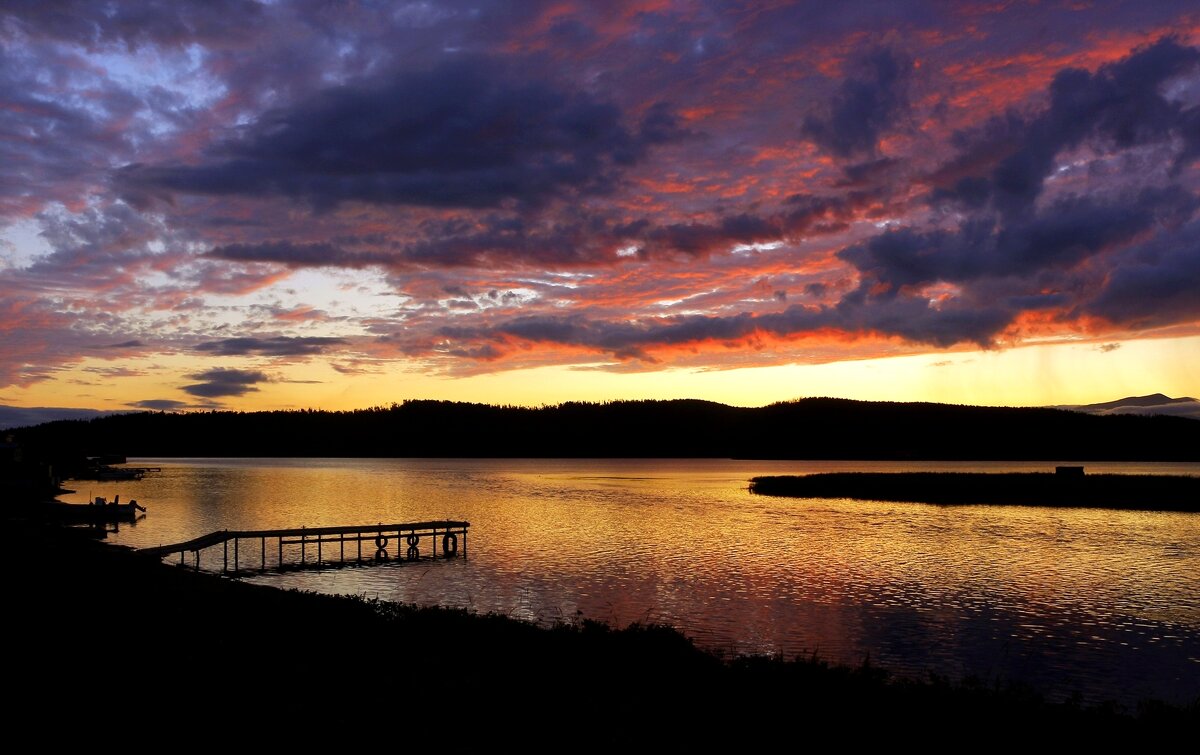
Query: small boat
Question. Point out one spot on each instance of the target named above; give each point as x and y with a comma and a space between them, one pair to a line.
99, 510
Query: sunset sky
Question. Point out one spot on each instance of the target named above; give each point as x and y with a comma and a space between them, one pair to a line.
261, 205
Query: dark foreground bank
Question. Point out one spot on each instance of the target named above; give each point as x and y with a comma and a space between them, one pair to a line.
105, 645
1113, 491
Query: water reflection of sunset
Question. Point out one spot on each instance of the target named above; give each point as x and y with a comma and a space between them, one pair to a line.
976, 588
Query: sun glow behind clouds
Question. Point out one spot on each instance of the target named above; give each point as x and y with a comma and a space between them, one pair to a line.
1028, 376
863, 205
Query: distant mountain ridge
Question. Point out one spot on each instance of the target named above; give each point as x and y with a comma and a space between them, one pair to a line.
1155, 403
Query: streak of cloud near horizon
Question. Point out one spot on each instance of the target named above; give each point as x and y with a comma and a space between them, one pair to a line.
304, 203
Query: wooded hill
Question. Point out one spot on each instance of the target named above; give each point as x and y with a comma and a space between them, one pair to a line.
816, 428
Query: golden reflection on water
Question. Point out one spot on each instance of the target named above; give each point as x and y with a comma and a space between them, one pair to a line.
1096, 600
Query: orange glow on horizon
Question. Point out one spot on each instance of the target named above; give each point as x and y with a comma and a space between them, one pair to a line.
1040, 375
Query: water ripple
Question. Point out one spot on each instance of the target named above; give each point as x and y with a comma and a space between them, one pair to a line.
1071, 600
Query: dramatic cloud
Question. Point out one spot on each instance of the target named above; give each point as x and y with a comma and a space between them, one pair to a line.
864, 108
471, 186
225, 382
279, 346
460, 135
908, 318
303, 255
1155, 284
1000, 270
1123, 105
1065, 234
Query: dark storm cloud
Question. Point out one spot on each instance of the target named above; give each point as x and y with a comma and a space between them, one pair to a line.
460, 135
220, 382
1123, 104
1069, 231
1157, 283
864, 108
277, 346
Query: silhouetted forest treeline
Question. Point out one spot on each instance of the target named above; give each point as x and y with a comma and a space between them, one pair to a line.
1147, 492
816, 428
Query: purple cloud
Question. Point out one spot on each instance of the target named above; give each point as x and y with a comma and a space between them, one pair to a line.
276, 346
865, 107
452, 182
461, 135
221, 382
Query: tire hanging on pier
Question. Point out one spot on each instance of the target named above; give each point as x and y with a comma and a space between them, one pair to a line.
450, 545
413, 552
381, 543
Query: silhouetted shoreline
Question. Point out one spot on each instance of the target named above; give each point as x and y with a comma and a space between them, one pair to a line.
1111, 491
816, 428
219, 658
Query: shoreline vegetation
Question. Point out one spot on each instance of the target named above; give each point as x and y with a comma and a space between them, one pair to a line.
105, 642
1111, 491
814, 428
145, 653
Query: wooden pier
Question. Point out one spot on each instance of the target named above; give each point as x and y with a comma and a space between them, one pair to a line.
309, 547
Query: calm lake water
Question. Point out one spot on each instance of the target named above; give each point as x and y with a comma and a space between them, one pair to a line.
1104, 603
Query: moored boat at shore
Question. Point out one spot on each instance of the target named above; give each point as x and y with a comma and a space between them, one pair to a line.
99, 510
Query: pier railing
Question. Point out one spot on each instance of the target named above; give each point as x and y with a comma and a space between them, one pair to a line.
307, 547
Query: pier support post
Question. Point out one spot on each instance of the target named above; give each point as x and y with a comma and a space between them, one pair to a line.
410, 535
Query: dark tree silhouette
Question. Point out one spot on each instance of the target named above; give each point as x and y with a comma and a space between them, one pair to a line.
816, 428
